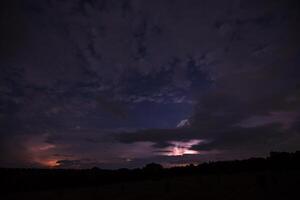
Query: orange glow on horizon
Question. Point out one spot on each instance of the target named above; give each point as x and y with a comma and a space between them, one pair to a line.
50, 163
41, 152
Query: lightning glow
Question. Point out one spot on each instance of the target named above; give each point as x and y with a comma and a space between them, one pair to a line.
179, 148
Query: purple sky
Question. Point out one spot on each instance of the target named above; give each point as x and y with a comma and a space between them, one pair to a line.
121, 83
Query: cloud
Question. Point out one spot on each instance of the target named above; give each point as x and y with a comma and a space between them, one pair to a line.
132, 65
285, 118
156, 135
25, 150
115, 108
77, 164
179, 148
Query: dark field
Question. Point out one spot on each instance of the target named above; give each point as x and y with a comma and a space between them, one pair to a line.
276, 177
263, 185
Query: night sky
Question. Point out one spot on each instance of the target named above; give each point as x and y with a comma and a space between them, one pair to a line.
122, 83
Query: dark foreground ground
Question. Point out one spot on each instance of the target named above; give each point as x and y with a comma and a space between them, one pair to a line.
276, 177
261, 185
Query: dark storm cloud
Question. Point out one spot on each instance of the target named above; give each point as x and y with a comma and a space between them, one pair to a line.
13, 28
116, 108
73, 164
159, 136
241, 139
13, 153
254, 86
70, 70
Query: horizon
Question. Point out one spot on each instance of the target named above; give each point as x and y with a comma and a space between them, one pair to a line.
270, 156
